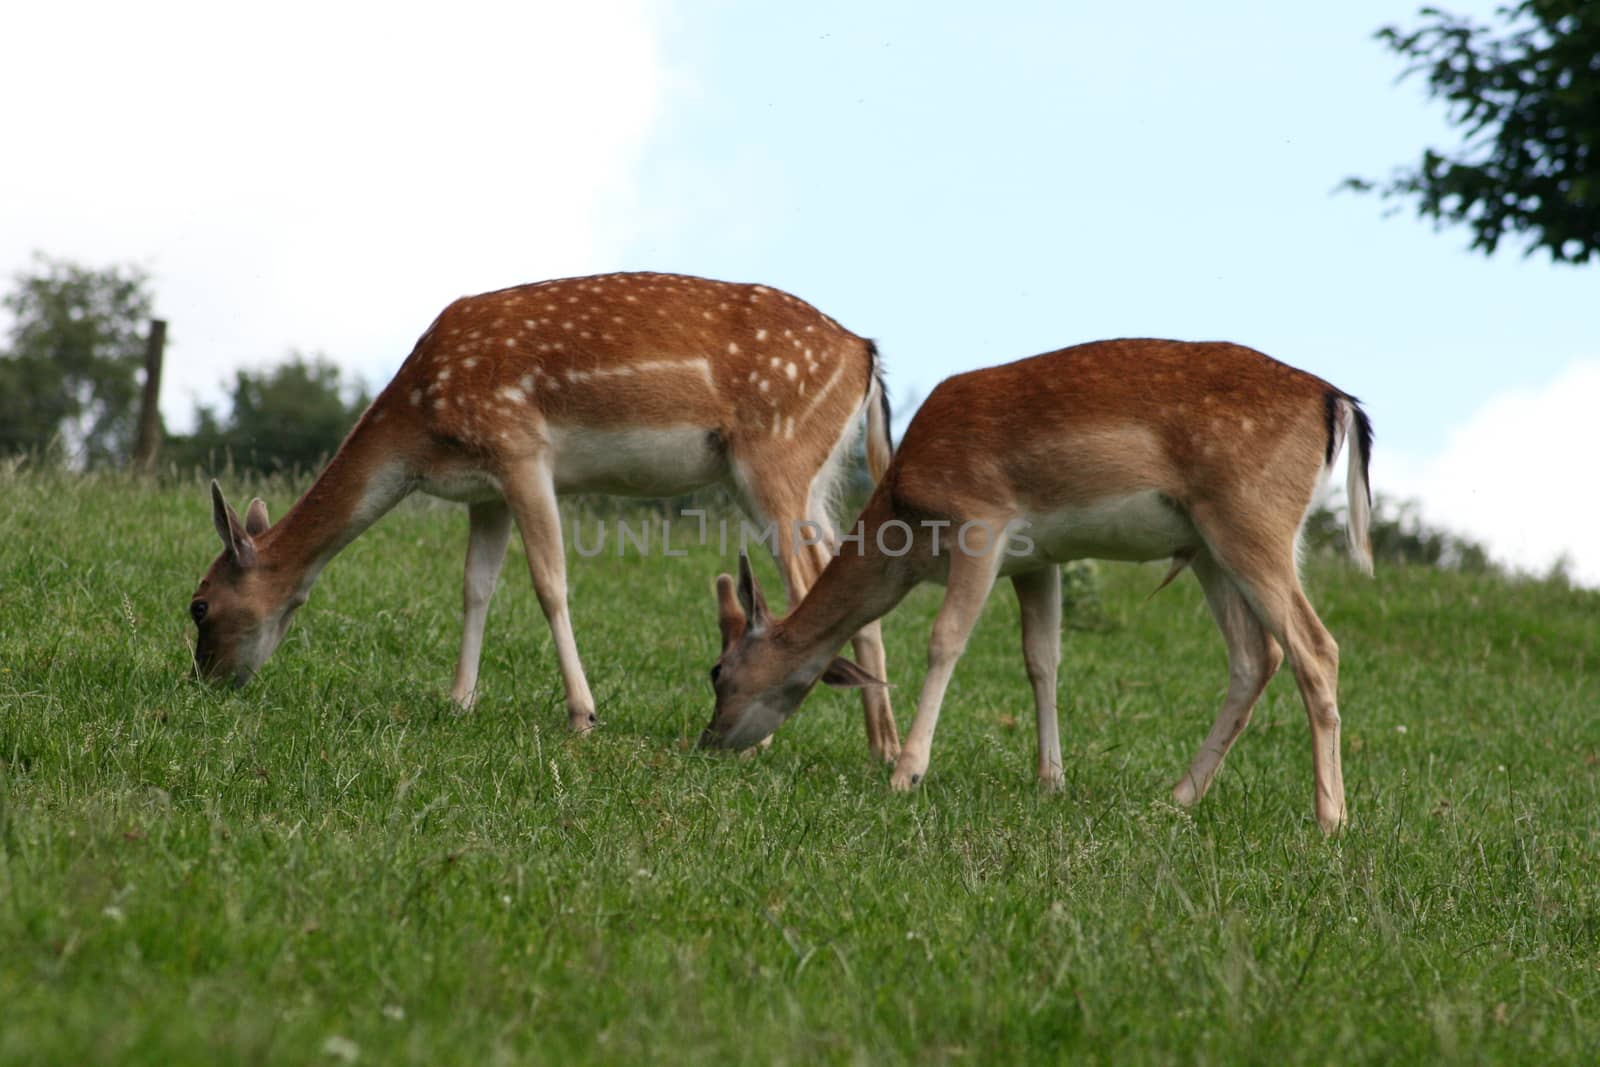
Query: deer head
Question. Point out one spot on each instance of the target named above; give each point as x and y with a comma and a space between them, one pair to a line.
758, 681
239, 617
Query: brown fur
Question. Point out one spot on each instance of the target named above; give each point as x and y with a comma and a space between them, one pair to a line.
764, 380
1220, 446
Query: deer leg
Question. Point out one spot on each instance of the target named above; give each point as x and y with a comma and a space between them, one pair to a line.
1314, 656
769, 499
1253, 658
883, 737
1039, 598
967, 587
1262, 566
489, 528
530, 491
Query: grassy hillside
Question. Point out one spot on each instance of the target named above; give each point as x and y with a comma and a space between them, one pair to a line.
334, 866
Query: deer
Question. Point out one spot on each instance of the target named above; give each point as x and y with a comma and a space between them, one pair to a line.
1206, 453
640, 384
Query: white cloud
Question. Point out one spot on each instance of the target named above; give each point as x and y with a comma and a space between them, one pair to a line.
1517, 475
323, 175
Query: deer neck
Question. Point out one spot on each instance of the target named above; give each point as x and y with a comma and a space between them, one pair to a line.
860, 584
367, 476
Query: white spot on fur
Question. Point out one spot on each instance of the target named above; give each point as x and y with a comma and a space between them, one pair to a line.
513, 394
791, 370
733, 348
761, 335
416, 397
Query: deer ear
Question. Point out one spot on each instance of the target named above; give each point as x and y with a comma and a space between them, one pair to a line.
255, 518
750, 599
730, 616
843, 674
235, 542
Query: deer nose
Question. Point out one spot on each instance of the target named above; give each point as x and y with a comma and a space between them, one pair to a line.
709, 738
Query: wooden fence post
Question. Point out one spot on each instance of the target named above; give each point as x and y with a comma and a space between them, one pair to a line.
148, 441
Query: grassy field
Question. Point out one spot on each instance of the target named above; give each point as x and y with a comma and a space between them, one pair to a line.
333, 866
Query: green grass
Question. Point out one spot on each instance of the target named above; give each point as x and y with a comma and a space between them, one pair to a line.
333, 865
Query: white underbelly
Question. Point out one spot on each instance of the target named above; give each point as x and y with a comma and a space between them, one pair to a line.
638, 462
464, 485
1139, 527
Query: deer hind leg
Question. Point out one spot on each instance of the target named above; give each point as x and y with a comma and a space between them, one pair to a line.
883, 736
1253, 658
530, 492
1262, 565
1039, 598
803, 535
966, 588
488, 530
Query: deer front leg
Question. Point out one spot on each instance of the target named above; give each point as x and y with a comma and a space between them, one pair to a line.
531, 493
489, 528
1039, 598
971, 578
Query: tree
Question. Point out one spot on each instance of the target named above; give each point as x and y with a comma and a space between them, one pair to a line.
1528, 101
290, 417
1398, 535
70, 371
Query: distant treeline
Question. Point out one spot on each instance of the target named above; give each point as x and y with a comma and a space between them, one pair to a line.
72, 366
70, 374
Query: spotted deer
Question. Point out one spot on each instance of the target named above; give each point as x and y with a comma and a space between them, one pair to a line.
1207, 454
637, 384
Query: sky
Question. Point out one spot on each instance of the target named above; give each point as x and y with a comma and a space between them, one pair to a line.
966, 185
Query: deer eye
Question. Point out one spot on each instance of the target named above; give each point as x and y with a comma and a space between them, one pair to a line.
716, 672
197, 610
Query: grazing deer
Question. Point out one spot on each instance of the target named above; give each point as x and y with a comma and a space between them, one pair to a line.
636, 384
1209, 454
